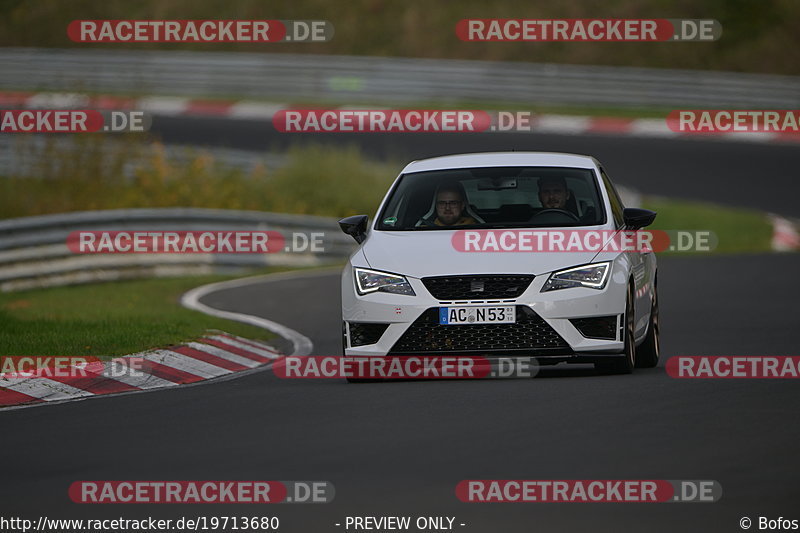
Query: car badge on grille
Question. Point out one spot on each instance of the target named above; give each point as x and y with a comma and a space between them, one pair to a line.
476, 285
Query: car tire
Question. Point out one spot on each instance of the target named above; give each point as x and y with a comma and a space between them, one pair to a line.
647, 354
626, 363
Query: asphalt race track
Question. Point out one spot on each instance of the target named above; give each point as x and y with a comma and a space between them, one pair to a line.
400, 448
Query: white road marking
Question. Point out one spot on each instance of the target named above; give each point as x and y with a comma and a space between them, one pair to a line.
302, 345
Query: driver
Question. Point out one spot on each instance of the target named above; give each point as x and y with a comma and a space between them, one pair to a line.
553, 192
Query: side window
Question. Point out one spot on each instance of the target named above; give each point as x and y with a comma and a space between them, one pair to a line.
616, 203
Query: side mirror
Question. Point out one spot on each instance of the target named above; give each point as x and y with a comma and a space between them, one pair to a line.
355, 226
636, 218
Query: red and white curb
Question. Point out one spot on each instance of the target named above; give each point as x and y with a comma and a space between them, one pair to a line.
214, 356
785, 236
255, 110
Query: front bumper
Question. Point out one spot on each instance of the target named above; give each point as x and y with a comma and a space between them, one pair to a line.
554, 339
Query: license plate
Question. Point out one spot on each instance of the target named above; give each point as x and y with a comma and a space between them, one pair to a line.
458, 316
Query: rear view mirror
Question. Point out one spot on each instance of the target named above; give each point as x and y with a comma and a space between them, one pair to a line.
355, 226
496, 184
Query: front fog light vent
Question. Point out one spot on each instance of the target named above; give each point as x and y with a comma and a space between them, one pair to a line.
364, 333
598, 327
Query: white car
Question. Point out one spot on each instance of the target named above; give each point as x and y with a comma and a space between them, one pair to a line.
410, 288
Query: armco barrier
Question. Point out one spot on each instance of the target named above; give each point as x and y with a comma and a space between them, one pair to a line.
20, 155
33, 250
381, 80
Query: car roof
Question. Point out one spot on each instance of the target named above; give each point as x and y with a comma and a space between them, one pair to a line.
502, 159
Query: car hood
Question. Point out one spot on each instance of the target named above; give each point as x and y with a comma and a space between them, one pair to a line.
431, 253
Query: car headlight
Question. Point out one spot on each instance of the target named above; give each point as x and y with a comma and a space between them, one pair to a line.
593, 276
368, 281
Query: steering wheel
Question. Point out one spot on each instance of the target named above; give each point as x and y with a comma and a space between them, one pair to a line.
570, 214
425, 223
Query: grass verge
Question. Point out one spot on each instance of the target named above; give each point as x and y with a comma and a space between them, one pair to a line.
96, 171
108, 319
737, 230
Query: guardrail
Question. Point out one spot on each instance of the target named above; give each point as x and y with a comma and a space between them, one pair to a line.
379, 80
34, 253
19, 156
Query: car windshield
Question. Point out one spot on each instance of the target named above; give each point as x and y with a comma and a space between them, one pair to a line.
493, 197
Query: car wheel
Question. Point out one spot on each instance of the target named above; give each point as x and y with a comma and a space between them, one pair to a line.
648, 352
626, 363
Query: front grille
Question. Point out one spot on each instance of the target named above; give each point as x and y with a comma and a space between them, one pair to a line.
597, 327
529, 334
486, 287
363, 333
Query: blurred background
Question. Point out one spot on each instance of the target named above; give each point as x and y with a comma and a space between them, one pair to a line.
213, 160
